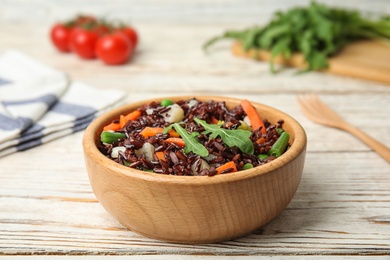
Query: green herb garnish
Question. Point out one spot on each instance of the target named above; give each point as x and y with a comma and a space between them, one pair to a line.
230, 137
316, 31
192, 144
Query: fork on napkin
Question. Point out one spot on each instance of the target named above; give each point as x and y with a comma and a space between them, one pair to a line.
39, 104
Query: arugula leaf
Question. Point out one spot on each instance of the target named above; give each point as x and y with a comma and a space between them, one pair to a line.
237, 137
317, 31
280, 47
192, 144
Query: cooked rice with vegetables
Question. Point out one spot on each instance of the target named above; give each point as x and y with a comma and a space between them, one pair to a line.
193, 138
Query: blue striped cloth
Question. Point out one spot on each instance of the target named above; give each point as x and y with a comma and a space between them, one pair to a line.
39, 104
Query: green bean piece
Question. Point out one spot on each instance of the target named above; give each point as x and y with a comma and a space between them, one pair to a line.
111, 137
280, 145
279, 130
166, 102
247, 166
263, 156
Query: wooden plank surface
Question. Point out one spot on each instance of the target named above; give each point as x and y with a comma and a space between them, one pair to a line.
341, 209
368, 60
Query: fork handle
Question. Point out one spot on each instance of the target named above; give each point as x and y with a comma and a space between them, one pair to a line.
378, 147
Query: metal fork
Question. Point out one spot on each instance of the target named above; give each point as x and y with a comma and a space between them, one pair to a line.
319, 112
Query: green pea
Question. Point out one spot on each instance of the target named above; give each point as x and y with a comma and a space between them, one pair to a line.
166, 102
247, 166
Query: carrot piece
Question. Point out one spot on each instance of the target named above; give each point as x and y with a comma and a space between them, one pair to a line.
214, 120
228, 165
175, 140
122, 120
253, 116
130, 116
112, 127
261, 140
133, 115
173, 133
151, 131
160, 156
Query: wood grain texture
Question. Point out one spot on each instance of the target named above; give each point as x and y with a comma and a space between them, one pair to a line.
341, 208
367, 60
316, 110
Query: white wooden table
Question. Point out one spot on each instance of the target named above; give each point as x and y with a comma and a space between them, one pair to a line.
342, 207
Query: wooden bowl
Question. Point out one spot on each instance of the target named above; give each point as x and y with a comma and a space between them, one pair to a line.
195, 209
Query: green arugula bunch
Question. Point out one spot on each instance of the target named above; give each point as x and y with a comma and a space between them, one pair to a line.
316, 31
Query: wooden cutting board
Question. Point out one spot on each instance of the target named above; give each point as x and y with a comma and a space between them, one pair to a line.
367, 60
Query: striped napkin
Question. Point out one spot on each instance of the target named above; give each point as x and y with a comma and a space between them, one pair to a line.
39, 104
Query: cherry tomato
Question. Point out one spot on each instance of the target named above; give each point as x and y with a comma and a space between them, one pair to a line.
83, 41
102, 29
114, 48
60, 35
84, 20
131, 34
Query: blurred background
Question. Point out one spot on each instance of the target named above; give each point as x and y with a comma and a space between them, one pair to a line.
171, 35
201, 12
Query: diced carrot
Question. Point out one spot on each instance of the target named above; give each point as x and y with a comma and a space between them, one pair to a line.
130, 116
133, 115
160, 156
112, 127
176, 140
228, 165
173, 133
214, 120
151, 131
253, 116
261, 140
122, 120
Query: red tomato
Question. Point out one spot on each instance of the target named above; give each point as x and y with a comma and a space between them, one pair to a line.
83, 42
131, 34
60, 35
84, 19
102, 29
114, 48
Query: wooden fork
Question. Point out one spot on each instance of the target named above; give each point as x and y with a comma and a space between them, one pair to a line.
319, 112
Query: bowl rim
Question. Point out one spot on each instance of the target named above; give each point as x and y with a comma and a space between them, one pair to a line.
90, 147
